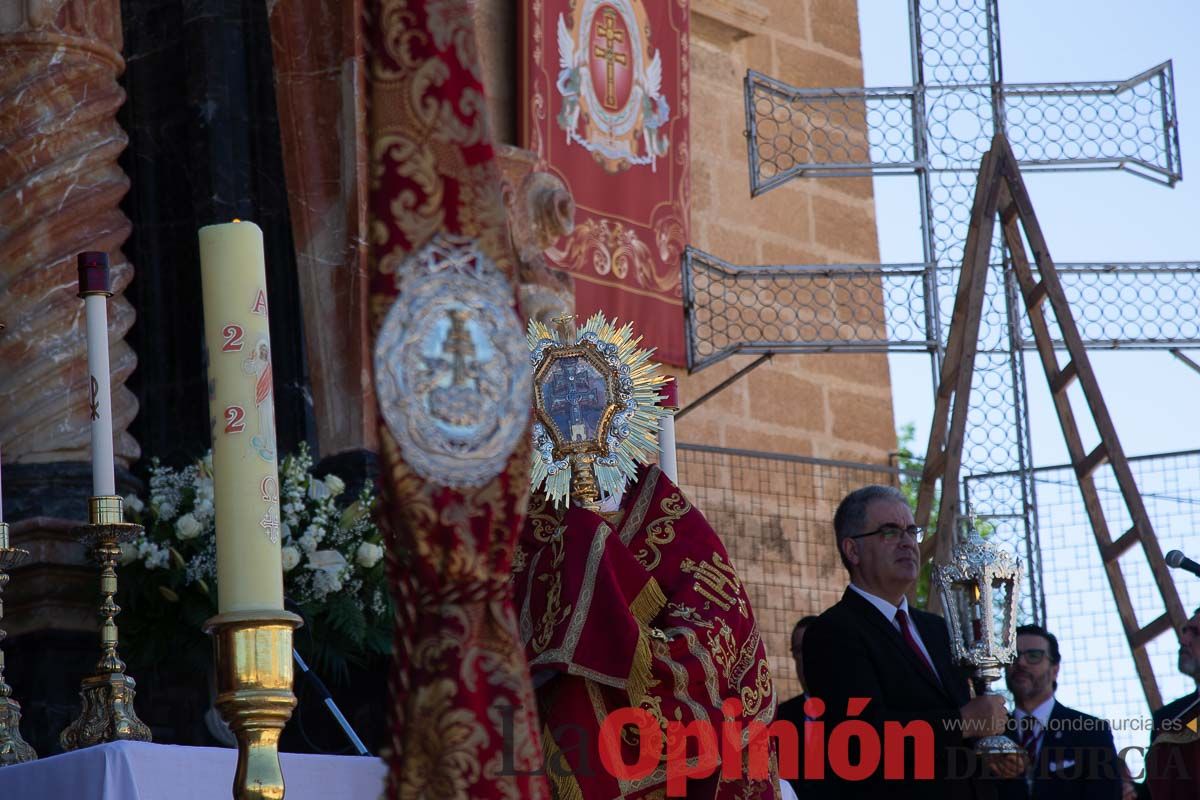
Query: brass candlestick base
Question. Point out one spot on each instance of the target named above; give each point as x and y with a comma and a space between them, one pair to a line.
254, 693
108, 693
13, 748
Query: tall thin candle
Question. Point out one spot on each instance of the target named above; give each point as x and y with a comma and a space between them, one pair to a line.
242, 413
95, 287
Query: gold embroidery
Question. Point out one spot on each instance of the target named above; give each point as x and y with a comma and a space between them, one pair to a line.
520, 560
637, 513
753, 697
717, 582
723, 647
688, 614
445, 762
555, 613
661, 532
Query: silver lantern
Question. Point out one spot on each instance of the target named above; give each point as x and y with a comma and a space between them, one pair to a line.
980, 589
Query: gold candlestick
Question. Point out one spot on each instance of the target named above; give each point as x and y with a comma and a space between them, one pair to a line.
13, 749
254, 693
107, 694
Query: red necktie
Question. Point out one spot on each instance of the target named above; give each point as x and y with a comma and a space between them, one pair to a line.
902, 618
1029, 737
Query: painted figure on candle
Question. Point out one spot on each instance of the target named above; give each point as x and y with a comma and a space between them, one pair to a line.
259, 365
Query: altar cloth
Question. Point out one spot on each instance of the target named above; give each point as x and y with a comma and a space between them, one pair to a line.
141, 771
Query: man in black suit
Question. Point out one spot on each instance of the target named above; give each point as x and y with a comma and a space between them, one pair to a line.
792, 711
1178, 713
1173, 763
872, 645
1070, 754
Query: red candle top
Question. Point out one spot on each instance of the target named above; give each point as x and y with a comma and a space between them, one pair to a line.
670, 393
93, 274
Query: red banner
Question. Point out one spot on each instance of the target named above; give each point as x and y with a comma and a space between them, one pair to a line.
605, 88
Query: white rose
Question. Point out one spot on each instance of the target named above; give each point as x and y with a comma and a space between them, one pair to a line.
187, 527
367, 555
290, 557
336, 485
134, 504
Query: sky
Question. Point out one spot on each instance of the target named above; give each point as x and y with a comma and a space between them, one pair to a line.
1102, 216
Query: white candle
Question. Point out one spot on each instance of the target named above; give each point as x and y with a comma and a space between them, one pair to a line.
95, 287
242, 412
667, 460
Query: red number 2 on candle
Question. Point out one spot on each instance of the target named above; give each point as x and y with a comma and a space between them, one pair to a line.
233, 419
233, 338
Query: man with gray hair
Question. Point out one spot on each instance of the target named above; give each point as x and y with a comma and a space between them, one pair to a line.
872, 647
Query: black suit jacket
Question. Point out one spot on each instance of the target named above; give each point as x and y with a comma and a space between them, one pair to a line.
1077, 761
792, 711
852, 651
1172, 710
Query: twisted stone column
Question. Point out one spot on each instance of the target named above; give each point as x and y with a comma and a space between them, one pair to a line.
60, 186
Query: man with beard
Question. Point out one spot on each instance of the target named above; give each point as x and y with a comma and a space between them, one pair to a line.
872, 646
1070, 754
1173, 764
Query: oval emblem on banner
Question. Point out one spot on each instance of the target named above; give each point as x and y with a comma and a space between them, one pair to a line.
610, 58
452, 369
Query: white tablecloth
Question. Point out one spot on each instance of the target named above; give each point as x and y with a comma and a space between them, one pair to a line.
140, 771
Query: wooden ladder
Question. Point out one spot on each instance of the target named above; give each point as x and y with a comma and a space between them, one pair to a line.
1001, 192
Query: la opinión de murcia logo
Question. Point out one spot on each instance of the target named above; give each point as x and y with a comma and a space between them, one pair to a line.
852, 750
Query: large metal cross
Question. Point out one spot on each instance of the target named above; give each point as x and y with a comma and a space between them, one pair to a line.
938, 129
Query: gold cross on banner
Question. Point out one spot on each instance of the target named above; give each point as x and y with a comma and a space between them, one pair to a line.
611, 35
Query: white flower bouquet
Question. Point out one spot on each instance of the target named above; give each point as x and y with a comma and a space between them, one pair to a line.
332, 562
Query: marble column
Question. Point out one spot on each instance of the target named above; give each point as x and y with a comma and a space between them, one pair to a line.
320, 93
60, 186
60, 189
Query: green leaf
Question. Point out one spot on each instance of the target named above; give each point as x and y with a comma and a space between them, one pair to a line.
345, 616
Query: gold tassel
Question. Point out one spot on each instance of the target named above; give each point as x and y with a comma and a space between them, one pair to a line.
648, 603
563, 787
645, 607
640, 671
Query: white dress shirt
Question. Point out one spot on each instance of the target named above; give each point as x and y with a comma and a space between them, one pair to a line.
889, 612
1042, 715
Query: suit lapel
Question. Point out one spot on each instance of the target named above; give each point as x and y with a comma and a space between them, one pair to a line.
1053, 727
873, 617
933, 633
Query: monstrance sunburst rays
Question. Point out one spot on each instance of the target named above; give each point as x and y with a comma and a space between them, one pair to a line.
596, 399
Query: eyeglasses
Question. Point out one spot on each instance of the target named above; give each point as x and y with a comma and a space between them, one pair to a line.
890, 533
1031, 656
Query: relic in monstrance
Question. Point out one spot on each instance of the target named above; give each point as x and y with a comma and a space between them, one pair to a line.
596, 406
